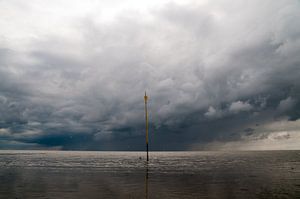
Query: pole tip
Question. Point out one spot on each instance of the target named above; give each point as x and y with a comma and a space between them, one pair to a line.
145, 97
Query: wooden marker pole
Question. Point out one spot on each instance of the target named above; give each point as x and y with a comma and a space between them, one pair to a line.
146, 118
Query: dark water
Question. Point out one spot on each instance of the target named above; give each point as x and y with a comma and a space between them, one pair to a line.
42, 174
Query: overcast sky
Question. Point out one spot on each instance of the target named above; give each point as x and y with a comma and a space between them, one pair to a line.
220, 74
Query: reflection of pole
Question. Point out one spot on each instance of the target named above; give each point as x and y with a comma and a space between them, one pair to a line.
146, 182
146, 117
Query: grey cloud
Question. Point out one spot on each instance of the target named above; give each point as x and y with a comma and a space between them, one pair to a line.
211, 71
280, 136
239, 106
286, 104
213, 113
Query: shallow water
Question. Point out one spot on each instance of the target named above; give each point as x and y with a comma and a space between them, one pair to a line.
70, 174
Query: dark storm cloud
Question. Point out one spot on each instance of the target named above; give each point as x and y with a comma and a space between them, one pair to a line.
212, 70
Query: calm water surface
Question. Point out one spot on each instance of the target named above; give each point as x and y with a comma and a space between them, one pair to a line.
61, 174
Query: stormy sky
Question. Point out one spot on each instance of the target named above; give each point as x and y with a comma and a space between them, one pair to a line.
220, 74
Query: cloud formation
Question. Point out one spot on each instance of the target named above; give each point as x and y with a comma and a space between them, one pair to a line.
239, 106
73, 74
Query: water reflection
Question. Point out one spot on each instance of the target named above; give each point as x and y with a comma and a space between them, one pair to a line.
167, 175
146, 179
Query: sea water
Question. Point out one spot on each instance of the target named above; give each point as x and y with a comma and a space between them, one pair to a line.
73, 174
